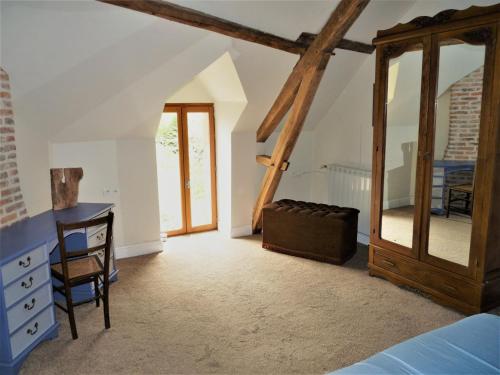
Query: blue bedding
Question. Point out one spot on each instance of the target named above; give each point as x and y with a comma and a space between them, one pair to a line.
470, 346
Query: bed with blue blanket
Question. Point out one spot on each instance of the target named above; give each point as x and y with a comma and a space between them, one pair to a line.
470, 346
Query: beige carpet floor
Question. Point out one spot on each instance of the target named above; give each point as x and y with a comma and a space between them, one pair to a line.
213, 305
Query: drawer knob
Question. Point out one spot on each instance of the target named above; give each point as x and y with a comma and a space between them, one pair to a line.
25, 285
33, 331
25, 264
29, 307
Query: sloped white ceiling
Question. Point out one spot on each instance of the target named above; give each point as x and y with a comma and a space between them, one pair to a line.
83, 70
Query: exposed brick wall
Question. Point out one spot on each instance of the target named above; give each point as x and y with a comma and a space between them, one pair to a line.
12, 206
465, 112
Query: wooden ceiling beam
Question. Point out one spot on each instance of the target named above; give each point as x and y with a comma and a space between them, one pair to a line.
328, 39
288, 138
191, 17
346, 44
266, 161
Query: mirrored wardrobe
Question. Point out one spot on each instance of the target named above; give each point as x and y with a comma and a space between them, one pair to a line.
435, 222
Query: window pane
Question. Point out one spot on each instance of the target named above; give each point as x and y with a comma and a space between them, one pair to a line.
200, 172
169, 175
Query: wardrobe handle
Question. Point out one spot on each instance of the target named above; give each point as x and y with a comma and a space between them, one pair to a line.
25, 264
25, 285
28, 307
33, 331
388, 263
449, 287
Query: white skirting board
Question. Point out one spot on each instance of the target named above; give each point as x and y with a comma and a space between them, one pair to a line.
243, 231
363, 238
138, 249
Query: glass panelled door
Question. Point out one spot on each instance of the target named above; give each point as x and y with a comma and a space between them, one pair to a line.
186, 169
199, 167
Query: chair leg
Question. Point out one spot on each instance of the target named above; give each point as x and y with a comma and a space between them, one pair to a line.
449, 203
71, 313
97, 293
468, 203
107, 322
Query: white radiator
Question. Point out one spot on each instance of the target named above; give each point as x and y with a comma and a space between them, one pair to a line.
351, 187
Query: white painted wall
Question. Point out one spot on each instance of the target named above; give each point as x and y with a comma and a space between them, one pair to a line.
121, 172
244, 178
100, 182
219, 84
138, 186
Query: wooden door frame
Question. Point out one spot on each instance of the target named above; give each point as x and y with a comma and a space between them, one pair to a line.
182, 109
203, 108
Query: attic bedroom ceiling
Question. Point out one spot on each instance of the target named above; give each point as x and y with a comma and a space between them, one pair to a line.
85, 71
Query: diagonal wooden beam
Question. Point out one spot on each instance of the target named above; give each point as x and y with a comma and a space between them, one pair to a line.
191, 17
266, 161
332, 33
347, 44
288, 137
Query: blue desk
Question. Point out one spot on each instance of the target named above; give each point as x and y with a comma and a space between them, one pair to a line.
27, 248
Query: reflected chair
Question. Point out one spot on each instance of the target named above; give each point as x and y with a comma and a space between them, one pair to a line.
83, 267
461, 193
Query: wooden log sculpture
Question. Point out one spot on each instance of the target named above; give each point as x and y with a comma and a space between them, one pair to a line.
64, 183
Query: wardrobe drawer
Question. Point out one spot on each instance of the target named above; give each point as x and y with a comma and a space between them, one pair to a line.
27, 308
31, 331
454, 287
428, 276
26, 284
391, 263
23, 264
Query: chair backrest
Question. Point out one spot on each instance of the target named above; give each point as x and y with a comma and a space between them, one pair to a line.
106, 246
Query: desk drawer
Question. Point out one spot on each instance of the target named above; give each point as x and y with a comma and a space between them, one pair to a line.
26, 284
23, 264
31, 331
97, 238
27, 308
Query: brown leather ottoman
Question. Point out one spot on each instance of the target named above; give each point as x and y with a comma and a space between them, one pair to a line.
310, 230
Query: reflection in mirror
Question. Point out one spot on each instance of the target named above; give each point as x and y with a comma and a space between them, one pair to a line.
402, 123
458, 111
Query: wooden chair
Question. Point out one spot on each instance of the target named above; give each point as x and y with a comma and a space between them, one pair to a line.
465, 193
82, 267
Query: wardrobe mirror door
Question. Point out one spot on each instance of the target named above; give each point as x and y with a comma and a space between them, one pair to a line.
401, 145
456, 136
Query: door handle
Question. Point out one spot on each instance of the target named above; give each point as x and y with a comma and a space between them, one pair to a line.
188, 184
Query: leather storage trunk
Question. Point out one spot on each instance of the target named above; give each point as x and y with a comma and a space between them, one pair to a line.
310, 230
